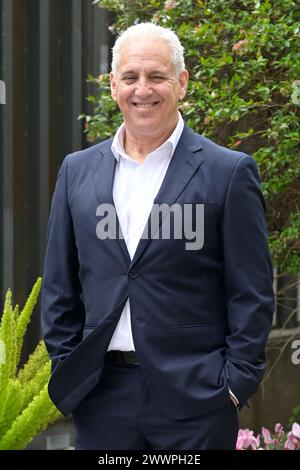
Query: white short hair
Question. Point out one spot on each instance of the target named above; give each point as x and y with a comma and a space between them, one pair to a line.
153, 31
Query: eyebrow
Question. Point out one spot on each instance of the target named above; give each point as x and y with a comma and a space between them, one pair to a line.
134, 72
127, 72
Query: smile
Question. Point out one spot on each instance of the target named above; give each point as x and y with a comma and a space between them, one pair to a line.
145, 105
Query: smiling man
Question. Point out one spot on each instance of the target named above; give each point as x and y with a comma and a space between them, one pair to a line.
156, 343
147, 88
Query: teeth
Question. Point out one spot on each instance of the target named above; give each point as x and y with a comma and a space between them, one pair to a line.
144, 105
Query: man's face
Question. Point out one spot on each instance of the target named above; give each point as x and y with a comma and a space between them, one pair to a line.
146, 87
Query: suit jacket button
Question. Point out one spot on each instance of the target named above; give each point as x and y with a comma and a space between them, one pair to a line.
133, 274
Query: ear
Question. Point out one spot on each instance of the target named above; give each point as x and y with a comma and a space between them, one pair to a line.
113, 86
183, 83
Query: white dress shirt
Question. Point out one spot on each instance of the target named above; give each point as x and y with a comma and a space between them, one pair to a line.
134, 190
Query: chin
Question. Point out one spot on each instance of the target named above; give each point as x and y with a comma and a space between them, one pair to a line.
148, 123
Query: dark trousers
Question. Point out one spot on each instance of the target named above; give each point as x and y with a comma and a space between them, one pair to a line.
119, 414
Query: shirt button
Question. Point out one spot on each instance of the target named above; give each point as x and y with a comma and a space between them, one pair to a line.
133, 274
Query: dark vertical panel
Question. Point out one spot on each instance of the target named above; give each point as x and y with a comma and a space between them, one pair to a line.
1, 153
32, 129
55, 151
48, 47
89, 67
44, 122
6, 145
18, 154
36, 151
76, 73
96, 49
103, 39
66, 83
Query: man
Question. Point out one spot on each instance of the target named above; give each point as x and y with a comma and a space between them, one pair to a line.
156, 339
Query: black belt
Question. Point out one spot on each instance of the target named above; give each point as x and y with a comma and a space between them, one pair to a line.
122, 357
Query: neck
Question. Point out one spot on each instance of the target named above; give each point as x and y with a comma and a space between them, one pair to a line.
138, 147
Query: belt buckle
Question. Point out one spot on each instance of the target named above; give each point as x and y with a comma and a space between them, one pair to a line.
134, 361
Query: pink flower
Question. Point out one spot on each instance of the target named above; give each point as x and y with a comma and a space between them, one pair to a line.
255, 442
267, 436
247, 439
270, 440
291, 442
239, 46
169, 4
279, 429
296, 430
239, 444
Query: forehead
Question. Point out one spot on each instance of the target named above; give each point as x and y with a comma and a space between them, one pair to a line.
146, 53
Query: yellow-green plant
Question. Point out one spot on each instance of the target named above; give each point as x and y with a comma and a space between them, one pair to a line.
25, 406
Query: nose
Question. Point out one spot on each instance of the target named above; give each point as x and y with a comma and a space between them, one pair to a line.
143, 88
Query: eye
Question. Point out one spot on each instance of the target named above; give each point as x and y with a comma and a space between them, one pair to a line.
128, 79
157, 78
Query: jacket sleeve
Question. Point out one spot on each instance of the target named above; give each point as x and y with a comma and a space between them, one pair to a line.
248, 278
62, 312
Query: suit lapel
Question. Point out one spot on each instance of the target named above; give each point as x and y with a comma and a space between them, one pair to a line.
186, 160
103, 180
104, 174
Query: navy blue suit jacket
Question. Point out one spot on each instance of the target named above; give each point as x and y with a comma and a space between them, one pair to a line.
200, 318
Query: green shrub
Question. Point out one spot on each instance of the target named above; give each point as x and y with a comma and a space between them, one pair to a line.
244, 92
25, 407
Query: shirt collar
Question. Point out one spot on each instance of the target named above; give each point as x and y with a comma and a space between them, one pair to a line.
168, 146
